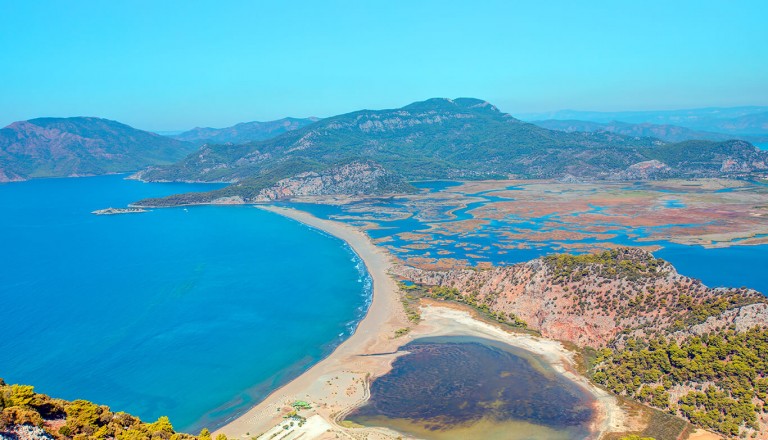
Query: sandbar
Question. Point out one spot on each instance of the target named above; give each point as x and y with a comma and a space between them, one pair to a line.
338, 383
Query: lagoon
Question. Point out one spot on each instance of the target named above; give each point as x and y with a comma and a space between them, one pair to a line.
458, 387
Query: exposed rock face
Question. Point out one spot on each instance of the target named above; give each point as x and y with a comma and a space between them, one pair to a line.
740, 319
650, 169
25, 432
597, 302
351, 179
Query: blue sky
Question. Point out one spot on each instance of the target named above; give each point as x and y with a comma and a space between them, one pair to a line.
171, 65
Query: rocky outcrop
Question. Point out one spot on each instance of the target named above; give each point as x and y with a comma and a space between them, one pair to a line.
116, 211
650, 169
600, 300
24, 432
740, 319
356, 178
349, 179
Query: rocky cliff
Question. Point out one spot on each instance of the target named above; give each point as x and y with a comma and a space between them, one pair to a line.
664, 339
602, 299
350, 179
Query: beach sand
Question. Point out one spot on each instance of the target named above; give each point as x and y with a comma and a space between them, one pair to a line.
338, 383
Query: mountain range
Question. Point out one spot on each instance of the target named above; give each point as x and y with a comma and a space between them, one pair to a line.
368, 151
441, 138
733, 121
81, 146
243, 132
664, 132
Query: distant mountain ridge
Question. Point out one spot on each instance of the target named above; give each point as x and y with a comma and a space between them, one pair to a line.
81, 146
665, 132
440, 138
740, 121
243, 132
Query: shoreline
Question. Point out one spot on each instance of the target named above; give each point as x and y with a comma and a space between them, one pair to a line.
339, 382
384, 313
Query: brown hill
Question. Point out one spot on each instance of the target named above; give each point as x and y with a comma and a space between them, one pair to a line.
599, 300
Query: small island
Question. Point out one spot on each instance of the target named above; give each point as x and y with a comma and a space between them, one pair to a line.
114, 211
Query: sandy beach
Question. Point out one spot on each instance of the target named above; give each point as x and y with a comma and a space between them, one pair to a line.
338, 383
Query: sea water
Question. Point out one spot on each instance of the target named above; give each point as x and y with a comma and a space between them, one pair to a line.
196, 313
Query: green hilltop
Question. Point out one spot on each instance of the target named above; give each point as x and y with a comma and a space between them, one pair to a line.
440, 138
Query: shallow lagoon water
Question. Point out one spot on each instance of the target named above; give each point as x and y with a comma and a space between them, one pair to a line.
195, 313
735, 266
457, 387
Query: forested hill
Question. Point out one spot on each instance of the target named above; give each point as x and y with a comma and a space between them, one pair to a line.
665, 132
243, 132
663, 338
453, 139
81, 146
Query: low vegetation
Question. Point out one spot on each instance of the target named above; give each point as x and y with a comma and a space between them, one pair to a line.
412, 292
80, 419
614, 263
718, 381
695, 353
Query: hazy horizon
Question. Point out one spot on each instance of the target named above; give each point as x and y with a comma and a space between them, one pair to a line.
519, 115
176, 65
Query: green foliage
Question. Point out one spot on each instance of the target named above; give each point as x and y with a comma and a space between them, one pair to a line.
409, 299
439, 139
444, 293
728, 371
615, 263
20, 405
161, 426
21, 395
402, 332
697, 154
636, 437
15, 415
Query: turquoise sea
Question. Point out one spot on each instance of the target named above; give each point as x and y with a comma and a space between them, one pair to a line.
197, 313
178, 312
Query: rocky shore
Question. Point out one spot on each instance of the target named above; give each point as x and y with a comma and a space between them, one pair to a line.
115, 211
